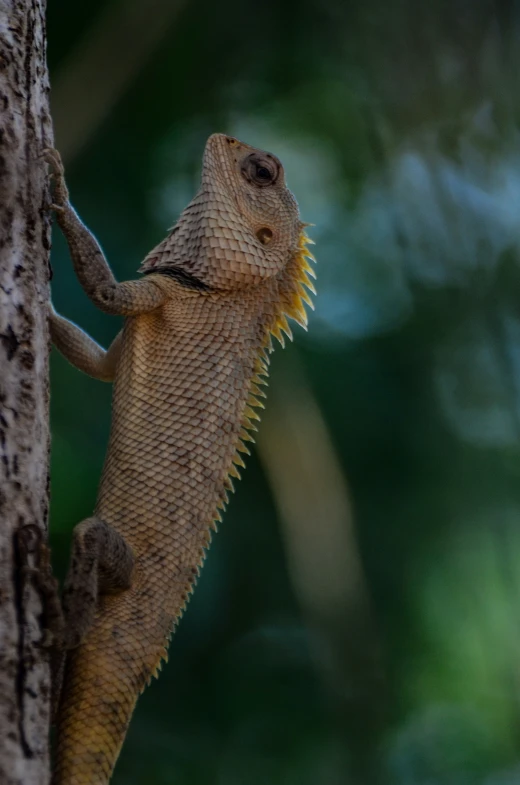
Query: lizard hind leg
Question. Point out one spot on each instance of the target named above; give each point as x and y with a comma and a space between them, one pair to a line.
101, 563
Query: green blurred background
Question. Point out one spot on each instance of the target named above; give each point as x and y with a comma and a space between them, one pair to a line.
358, 617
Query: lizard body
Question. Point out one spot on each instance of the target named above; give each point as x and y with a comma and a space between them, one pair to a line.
186, 370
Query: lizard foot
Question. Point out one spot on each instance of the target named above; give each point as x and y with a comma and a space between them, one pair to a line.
101, 563
61, 192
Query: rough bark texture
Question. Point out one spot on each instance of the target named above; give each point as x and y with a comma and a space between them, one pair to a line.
25, 129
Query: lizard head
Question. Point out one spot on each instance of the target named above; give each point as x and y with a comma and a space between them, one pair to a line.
243, 225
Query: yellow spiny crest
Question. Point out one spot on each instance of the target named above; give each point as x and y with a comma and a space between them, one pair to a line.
307, 268
296, 311
238, 460
225, 496
233, 472
252, 400
309, 284
294, 294
255, 390
261, 367
275, 330
284, 325
248, 425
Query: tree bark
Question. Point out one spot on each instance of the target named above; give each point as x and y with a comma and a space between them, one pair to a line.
25, 129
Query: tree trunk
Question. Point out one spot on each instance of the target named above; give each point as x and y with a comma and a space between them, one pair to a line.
25, 129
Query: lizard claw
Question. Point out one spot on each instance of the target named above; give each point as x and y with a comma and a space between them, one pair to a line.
58, 208
61, 193
52, 156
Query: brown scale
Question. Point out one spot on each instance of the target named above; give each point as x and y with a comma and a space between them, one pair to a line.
187, 369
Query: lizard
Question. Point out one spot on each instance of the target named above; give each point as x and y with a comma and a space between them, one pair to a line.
187, 370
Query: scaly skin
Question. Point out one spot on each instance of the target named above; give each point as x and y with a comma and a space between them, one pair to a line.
185, 369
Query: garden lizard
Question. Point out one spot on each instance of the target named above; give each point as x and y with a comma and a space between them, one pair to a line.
187, 369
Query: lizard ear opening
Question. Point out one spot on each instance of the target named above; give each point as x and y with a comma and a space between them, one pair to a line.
265, 235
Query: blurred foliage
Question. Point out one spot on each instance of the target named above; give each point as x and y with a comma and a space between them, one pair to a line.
357, 618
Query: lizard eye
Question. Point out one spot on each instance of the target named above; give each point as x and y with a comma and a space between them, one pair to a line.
261, 170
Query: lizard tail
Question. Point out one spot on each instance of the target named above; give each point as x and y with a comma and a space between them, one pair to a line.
103, 678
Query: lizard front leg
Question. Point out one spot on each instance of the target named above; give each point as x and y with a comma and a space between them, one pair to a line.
123, 299
81, 350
